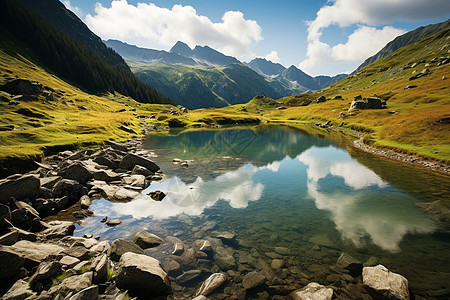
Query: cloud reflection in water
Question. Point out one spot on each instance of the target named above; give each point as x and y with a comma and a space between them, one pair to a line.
357, 210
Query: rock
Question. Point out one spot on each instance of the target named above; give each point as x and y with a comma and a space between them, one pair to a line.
253, 280
85, 201
184, 164
281, 107
23, 216
100, 268
101, 160
62, 203
172, 267
212, 283
106, 175
282, 250
157, 195
371, 262
67, 187
90, 293
205, 265
9, 238
72, 241
69, 261
411, 86
147, 240
117, 146
135, 181
142, 275
313, 291
140, 170
121, 246
321, 99
38, 251
23, 87
373, 103
277, 264
19, 291
224, 258
102, 247
45, 271
26, 186
178, 248
76, 171
11, 263
114, 222
188, 276
203, 245
130, 160
349, 263
76, 283
59, 229
381, 283
79, 252
25, 235
82, 107
126, 129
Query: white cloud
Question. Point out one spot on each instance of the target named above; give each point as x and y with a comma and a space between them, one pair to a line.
75, 9
148, 25
365, 41
273, 57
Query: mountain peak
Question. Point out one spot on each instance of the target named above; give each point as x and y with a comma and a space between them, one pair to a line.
181, 48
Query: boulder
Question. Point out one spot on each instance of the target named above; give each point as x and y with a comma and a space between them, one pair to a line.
100, 268
77, 283
67, 187
253, 280
105, 161
85, 201
23, 87
212, 283
121, 246
11, 263
147, 240
69, 261
349, 263
373, 103
49, 182
321, 99
114, 222
384, 284
5, 216
19, 291
188, 276
157, 195
78, 251
26, 186
130, 160
102, 247
142, 275
117, 146
135, 181
76, 171
9, 238
39, 251
106, 175
140, 170
172, 267
58, 229
313, 291
90, 293
45, 271
224, 258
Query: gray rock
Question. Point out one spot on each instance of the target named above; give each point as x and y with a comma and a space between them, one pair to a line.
147, 240
85, 201
23, 87
384, 284
19, 291
77, 283
11, 263
114, 222
76, 171
313, 291
26, 186
25, 235
203, 245
321, 99
106, 175
188, 276
349, 263
9, 238
102, 247
46, 270
130, 160
69, 261
100, 268
140, 170
178, 249
172, 267
49, 182
62, 203
117, 146
90, 293
70, 241
157, 195
371, 262
39, 251
135, 181
69, 188
121, 246
212, 283
277, 264
78, 251
142, 275
58, 229
253, 280
224, 258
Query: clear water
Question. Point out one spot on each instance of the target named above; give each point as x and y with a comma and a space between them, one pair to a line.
281, 187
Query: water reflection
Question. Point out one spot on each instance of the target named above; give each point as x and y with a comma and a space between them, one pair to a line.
362, 205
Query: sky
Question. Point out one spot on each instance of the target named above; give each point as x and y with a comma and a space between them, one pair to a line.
321, 37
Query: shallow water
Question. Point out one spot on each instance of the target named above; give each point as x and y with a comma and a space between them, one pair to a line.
280, 187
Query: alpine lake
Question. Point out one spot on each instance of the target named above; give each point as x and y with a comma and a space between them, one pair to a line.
286, 203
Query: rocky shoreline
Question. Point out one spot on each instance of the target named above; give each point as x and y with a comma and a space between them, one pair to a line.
42, 260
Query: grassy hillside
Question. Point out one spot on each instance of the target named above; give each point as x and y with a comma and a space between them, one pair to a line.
35, 126
199, 87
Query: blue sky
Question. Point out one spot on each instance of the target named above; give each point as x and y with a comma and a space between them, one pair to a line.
320, 37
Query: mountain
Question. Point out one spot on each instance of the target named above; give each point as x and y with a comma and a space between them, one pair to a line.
406, 39
266, 67
200, 87
59, 40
